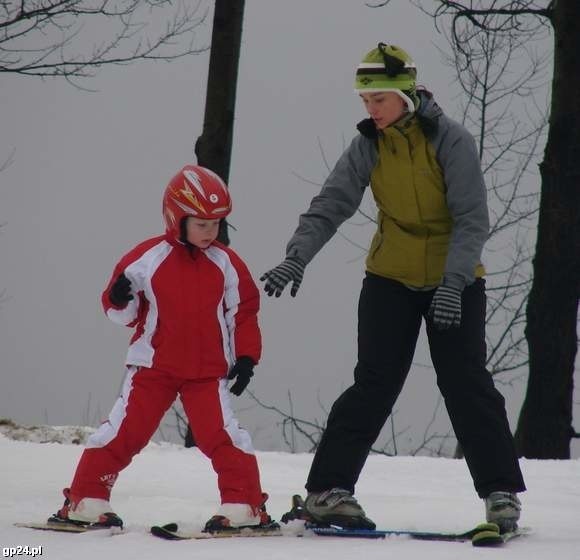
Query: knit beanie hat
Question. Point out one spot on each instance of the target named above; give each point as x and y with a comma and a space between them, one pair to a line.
388, 68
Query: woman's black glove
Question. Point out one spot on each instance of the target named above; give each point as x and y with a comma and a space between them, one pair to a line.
120, 292
291, 270
242, 372
445, 309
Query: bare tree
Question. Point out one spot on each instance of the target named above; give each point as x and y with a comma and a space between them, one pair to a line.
56, 38
301, 433
214, 147
501, 109
545, 426
294, 428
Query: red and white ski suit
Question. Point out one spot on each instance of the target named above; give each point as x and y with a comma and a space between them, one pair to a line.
194, 313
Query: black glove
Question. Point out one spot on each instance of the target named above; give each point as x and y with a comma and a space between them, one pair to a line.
445, 309
291, 270
244, 370
120, 292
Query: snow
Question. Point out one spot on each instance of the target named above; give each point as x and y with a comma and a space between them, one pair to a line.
167, 483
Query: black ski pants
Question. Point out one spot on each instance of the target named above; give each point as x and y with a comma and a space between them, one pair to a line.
389, 320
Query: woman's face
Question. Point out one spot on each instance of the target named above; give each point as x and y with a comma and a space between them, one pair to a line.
384, 107
201, 233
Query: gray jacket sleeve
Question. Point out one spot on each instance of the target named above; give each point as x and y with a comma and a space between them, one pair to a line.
467, 202
338, 200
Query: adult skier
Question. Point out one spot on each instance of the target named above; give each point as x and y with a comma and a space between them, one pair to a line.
423, 264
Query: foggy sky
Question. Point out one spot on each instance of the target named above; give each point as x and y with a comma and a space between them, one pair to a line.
86, 183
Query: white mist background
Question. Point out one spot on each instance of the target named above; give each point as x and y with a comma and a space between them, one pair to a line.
85, 186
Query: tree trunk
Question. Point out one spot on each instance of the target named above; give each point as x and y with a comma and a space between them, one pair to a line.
545, 425
214, 147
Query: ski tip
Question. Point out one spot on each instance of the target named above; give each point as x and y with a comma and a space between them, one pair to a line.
493, 538
167, 532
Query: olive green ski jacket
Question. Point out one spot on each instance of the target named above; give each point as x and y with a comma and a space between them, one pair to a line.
426, 179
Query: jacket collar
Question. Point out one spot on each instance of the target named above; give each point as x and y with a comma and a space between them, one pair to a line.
427, 115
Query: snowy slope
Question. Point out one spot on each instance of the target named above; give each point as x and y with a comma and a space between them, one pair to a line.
169, 483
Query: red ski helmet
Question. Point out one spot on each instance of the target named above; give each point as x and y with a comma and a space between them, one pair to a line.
195, 191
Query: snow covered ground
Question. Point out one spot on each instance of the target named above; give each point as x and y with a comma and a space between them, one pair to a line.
170, 483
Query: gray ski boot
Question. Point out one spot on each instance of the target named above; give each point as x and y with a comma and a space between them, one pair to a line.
503, 508
337, 507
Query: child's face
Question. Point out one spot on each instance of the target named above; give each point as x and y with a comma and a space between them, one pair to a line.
385, 107
201, 233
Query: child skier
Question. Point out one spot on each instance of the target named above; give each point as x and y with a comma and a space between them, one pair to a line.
193, 305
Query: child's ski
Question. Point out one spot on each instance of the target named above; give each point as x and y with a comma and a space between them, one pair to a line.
65, 527
171, 532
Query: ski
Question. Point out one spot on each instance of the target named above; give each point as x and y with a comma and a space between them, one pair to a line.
482, 535
335, 531
56, 523
171, 532
64, 527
